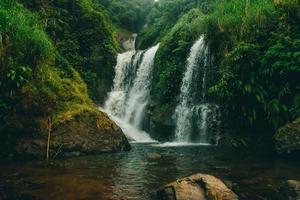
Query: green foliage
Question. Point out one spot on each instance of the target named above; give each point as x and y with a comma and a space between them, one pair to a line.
23, 47
164, 15
16, 77
35, 80
255, 44
171, 56
84, 36
259, 75
127, 14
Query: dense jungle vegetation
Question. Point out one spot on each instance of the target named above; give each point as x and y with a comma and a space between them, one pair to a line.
84, 36
128, 15
36, 80
113, 99
57, 55
255, 45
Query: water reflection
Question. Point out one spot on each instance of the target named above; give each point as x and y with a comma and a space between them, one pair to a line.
136, 174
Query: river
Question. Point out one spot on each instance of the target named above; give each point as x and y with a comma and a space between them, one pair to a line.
136, 174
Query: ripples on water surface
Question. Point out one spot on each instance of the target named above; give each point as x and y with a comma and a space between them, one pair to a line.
134, 175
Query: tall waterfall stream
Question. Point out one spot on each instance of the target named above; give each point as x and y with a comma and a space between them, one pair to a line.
129, 97
194, 114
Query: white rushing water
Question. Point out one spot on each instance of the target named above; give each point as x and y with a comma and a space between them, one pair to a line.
192, 118
117, 97
140, 92
127, 101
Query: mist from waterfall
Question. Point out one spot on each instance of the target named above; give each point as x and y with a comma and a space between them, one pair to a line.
127, 101
194, 115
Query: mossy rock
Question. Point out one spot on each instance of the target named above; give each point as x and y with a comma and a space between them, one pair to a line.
88, 132
287, 138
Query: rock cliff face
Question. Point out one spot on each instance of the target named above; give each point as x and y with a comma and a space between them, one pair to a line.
287, 138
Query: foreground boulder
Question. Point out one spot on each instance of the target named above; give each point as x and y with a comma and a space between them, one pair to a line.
196, 187
88, 132
287, 138
290, 190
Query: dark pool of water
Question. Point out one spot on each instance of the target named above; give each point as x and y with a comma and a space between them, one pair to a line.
136, 174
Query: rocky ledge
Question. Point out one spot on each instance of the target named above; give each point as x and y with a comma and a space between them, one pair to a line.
88, 132
196, 187
287, 138
290, 190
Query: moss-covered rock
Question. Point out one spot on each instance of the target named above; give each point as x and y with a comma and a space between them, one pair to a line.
287, 138
87, 132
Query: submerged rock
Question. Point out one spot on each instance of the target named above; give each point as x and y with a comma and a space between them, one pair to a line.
153, 155
88, 132
196, 187
287, 138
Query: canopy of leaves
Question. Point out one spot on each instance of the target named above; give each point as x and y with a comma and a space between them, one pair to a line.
259, 74
127, 14
164, 15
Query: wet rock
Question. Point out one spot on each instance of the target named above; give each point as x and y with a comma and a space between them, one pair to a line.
287, 138
153, 155
161, 124
290, 190
129, 43
196, 187
245, 140
89, 132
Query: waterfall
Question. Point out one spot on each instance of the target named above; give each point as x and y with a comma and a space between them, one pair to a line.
139, 93
117, 97
194, 114
127, 101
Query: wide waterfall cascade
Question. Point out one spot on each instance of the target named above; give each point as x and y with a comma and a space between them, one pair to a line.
194, 115
127, 101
